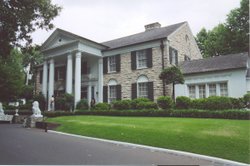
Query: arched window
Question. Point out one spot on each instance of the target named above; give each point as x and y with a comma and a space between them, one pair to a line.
112, 90
142, 86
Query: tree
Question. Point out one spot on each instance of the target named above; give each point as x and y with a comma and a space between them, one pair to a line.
172, 75
11, 76
32, 57
229, 37
19, 18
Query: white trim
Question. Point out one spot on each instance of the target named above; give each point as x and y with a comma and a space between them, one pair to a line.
213, 160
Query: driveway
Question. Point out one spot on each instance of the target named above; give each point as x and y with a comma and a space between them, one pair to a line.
34, 146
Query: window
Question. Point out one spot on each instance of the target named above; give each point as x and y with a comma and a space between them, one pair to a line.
142, 87
112, 90
202, 91
112, 93
143, 90
191, 90
212, 89
223, 89
186, 58
141, 57
111, 64
173, 56
60, 74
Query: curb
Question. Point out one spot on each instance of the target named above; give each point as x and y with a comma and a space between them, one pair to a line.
214, 160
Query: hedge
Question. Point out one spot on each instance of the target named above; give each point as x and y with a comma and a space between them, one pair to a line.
191, 113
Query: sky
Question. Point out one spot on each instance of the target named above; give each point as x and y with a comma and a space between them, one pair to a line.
104, 20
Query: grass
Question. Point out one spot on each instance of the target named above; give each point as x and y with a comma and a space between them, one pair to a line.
228, 139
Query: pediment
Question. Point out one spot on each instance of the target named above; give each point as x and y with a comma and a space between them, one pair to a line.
57, 38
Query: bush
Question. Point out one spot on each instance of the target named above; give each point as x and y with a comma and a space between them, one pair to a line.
146, 105
27, 106
122, 104
218, 103
82, 105
183, 102
135, 102
198, 103
237, 103
246, 98
165, 102
64, 102
102, 107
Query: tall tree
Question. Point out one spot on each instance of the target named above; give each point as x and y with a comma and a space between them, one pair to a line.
172, 75
11, 76
229, 37
19, 18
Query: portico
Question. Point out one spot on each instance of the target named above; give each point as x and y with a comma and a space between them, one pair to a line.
73, 65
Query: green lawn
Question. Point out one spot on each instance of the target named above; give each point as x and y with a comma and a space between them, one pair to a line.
228, 139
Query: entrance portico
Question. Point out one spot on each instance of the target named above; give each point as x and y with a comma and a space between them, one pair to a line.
79, 59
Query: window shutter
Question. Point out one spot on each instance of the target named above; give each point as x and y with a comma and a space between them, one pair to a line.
118, 92
133, 60
41, 77
105, 94
149, 58
134, 91
84, 67
170, 55
151, 90
176, 57
105, 65
56, 74
64, 72
118, 63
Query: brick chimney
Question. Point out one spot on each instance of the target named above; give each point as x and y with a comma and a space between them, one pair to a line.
152, 26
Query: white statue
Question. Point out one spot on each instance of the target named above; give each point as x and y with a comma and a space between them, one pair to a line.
36, 110
1, 109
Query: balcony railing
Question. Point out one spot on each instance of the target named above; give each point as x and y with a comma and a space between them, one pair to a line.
89, 77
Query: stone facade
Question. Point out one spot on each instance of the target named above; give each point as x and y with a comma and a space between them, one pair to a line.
183, 41
127, 76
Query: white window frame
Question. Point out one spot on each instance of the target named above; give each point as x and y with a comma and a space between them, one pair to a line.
212, 89
141, 59
223, 89
142, 87
112, 90
111, 64
202, 91
192, 91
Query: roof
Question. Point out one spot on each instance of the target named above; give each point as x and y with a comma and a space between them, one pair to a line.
218, 63
58, 31
154, 34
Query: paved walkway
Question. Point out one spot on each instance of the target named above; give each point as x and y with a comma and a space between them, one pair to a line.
33, 146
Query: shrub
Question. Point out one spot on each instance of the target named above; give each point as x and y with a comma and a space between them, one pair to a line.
237, 103
146, 105
183, 102
122, 104
246, 98
198, 103
135, 102
82, 105
60, 103
27, 106
218, 103
165, 102
102, 106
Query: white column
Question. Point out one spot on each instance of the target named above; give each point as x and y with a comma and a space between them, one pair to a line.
45, 77
51, 80
100, 80
77, 77
69, 75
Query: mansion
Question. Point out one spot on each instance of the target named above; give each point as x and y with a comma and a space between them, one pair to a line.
124, 68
